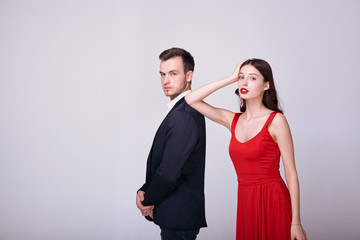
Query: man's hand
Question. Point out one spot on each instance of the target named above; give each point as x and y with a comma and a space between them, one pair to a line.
145, 210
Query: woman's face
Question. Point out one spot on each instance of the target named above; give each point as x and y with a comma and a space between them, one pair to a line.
251, 83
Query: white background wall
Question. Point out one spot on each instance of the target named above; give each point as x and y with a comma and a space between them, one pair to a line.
80, 101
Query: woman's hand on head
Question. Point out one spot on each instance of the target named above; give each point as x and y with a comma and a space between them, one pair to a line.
236, 73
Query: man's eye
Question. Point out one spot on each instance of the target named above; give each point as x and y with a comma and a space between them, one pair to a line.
173, 74
241, 77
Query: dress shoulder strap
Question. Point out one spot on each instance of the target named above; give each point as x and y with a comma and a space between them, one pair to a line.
234, 121
270, 118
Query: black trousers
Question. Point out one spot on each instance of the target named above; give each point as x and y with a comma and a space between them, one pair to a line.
176, 234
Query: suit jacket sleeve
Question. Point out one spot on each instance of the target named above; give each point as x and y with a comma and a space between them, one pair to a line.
181, 138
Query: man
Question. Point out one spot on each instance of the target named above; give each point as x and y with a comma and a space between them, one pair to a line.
173, 194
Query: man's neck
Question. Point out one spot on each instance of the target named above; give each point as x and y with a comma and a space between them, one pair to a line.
172, 103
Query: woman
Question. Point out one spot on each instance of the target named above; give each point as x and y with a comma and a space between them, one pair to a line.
267, 209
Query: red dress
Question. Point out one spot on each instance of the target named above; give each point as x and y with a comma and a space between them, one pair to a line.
264, 206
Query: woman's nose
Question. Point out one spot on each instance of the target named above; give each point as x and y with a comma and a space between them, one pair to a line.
244, 82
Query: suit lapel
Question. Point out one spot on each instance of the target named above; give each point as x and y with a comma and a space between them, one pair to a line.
172, 110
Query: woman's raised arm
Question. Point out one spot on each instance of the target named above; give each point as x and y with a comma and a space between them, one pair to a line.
219, 115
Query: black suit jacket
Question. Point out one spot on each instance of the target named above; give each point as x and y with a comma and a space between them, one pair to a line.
176, 168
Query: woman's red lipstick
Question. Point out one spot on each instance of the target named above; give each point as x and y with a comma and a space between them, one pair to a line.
244, 90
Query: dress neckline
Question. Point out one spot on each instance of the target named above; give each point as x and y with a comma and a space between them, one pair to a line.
269, 118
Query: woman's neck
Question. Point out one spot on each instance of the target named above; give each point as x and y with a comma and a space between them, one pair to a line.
255, 109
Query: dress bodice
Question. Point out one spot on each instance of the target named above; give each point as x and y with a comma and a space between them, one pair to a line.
257, 160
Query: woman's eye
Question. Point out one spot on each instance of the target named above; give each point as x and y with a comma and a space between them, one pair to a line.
241, 77
253, 78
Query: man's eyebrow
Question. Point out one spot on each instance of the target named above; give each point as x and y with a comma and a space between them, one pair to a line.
173, 70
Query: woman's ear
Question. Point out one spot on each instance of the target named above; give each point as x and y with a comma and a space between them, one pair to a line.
267, 86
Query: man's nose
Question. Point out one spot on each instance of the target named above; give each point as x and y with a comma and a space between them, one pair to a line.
166, 79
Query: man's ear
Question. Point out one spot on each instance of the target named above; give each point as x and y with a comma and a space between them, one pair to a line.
189, 76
